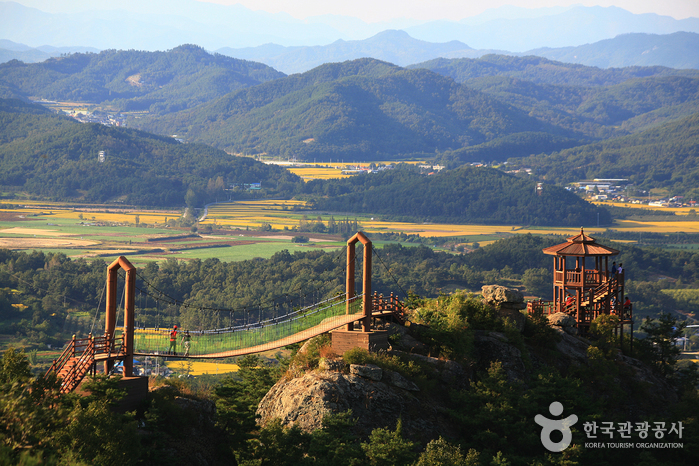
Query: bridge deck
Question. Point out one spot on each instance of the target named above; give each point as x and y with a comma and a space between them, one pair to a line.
323, 327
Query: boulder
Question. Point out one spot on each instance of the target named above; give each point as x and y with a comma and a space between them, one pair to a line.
304, 401
327, 364
494, 346
368, 371
507, 302
563, 321
394, 378
496, 295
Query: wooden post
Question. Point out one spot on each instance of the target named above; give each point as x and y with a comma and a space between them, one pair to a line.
351, 255
366, 279
366, 285
110, 324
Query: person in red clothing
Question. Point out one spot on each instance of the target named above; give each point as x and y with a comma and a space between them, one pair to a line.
627, 306
173, 341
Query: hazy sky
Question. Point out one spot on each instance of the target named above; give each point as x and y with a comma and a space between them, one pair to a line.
382, 10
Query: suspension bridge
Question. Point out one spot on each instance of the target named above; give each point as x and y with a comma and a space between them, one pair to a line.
348, 316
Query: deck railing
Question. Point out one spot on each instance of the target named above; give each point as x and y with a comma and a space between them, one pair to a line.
81, 352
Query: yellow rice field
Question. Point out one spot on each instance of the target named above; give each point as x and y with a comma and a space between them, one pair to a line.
96, 216
242, 214
675, 210
325, 171
279, 214
318, 173
199, 368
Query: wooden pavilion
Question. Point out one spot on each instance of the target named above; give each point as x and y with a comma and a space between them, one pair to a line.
584, 287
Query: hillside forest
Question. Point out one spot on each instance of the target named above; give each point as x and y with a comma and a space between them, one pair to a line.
44, 295
528, 111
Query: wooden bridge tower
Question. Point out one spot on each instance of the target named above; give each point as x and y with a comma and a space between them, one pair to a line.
129, 298
583, 285
344, 339
82, 355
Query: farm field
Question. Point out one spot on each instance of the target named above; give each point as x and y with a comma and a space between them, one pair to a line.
326, 171
200, 368
235, 230
675, 210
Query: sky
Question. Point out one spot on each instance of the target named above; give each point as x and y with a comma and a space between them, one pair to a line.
384, 10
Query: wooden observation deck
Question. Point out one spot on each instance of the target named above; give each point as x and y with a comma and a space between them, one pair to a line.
583, 285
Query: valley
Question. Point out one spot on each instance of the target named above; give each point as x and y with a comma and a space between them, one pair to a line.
339, 252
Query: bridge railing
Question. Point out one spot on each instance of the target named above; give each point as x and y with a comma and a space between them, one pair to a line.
388, 304
541, 307
156, 341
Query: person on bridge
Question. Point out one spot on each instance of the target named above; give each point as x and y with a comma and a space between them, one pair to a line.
186, 342
173, 341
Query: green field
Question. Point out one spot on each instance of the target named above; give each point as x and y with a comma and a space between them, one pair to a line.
107, 234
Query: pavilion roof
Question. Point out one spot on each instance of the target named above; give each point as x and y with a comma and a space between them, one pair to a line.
580, 245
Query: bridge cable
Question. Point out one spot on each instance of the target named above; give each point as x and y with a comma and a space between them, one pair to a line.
174, 301
98, 308
388, 270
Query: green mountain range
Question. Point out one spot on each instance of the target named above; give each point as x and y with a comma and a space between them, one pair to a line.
359, 110
371, 110
506, 108
663, 157
159, 82
56, 157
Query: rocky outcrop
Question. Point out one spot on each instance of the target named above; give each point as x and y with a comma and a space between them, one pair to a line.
507, 302
494, 346
563, 321
573, 348
305, 400
377, 397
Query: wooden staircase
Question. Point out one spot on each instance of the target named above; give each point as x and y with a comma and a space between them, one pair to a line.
81, 355
601, 292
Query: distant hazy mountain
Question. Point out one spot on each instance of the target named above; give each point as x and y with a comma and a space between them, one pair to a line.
159, 25
13, 51
395, 47
164, 24
677, 50
518, 29
540, 70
